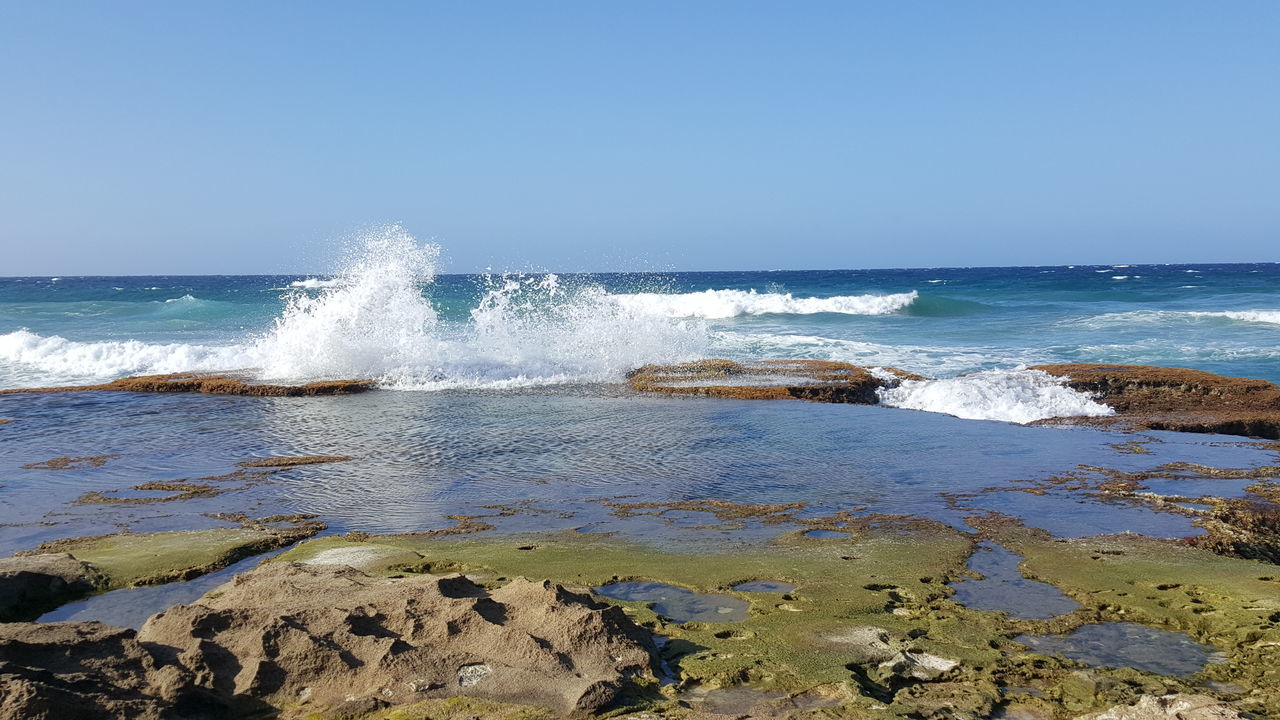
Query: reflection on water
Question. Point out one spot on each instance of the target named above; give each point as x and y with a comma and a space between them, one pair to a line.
130, 607
677, 603
421, 456
1119, 644
1004, 588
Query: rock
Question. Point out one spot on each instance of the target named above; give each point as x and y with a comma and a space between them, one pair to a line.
817, 380
90, 670
210, 384
883, 665
319, 636
1161, 398
1168, 707
35, 584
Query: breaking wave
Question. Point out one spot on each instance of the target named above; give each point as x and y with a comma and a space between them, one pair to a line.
373, 320
1147, 317
313, 283
720, 304
1018, 396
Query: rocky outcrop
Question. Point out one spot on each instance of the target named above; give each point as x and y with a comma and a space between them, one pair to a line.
33, 585
1168, 707
1179, 399
210, 384
325, 636
53, 671
817, 380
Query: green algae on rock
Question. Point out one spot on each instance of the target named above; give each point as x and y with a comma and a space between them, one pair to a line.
131, 559
871, 621
1228, 603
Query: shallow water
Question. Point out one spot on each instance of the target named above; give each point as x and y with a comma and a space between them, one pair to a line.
1118, 644
1003, 587
561, 453
677, 603
130, 607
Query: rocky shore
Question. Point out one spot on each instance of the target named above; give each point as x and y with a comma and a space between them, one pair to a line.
851, 615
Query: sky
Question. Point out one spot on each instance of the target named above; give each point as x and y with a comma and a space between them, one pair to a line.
247, 137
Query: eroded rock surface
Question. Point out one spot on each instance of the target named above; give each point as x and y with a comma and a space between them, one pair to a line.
1168, 707
35, 584
57, 671
210, 384
1161, 398
817, 380
309, 636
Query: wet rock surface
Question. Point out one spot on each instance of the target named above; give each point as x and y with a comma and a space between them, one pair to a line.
91, 670
210, 384
326, 636
1179, 399
817, 380
33, 584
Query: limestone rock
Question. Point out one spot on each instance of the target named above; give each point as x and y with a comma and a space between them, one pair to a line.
1168, 707
52, 671
32, 585
321, 636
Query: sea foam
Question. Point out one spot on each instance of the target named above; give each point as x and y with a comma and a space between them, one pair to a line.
1017, 395
374, 319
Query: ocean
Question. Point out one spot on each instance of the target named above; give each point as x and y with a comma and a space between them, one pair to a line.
506, 388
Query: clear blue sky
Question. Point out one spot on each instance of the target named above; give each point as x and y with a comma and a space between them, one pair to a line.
223, 137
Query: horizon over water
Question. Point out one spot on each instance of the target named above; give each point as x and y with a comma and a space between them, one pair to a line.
386, 314
507, 386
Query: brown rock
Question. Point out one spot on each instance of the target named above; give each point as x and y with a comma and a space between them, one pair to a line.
210, 384
56, 671
1160, 398
324, 636
1168, 707
817, 380
35, 584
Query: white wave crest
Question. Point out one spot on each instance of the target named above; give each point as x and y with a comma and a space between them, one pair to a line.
718, 304
1271, 317
313, 283
185, 298
1018, 396
1134, 317
39, 359
374, 321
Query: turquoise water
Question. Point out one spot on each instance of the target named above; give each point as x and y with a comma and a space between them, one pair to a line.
387, 315
507, 390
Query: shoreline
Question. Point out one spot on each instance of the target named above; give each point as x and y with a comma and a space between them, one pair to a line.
869, 627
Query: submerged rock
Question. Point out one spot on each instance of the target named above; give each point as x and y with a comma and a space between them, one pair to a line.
817, 380
35, 584
1168, 707
326, 636
1179, 399
90, 670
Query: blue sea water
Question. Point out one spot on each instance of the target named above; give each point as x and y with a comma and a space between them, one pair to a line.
507, 389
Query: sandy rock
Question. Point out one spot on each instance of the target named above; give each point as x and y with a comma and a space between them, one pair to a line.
56, 671
1168, 707
325, 636
32, 585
